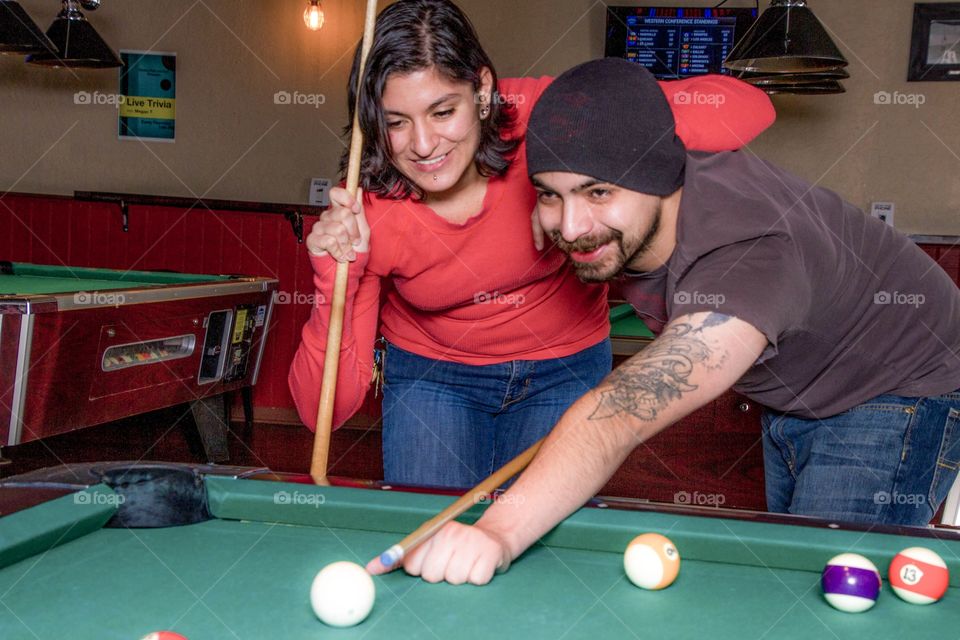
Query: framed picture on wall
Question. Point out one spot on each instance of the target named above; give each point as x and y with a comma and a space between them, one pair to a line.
935, 47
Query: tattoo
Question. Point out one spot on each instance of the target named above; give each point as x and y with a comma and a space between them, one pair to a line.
644, 385
714, 320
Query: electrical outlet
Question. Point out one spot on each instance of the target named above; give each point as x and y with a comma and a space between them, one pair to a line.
883, 211
320, 192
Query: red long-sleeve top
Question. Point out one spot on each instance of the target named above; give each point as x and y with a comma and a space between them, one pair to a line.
479, 292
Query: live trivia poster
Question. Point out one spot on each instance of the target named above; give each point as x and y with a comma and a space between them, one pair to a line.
148, 90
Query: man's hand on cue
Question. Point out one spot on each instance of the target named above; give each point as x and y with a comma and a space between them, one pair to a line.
457, 554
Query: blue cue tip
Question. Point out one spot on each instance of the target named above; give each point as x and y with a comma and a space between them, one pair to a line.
391, 556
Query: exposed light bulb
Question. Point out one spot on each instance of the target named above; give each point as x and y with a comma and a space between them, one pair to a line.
313, 16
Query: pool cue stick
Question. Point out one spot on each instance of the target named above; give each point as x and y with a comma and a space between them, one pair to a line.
395, 554
331, 362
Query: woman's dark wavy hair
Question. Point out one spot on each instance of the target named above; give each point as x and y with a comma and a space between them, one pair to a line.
410, 36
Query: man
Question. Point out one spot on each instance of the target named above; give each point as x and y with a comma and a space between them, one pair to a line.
754, 279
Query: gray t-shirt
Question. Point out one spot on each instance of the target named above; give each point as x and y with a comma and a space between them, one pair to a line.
851, 308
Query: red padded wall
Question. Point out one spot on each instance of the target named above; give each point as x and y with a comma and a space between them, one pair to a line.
51, 230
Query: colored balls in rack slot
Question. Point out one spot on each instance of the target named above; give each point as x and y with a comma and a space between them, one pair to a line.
342, 594
651, 561
163, 635
851, 583
918, 575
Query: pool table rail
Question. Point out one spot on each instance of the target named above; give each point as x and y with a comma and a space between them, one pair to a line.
96, 298
36, 530
804, 544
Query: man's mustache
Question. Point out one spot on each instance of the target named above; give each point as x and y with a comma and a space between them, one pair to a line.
585, 244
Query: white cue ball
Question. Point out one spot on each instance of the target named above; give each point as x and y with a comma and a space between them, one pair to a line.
342, 594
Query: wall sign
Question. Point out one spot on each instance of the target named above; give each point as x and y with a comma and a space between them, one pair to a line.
148, 90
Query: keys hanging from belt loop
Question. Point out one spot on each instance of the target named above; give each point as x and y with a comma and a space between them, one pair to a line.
379, 359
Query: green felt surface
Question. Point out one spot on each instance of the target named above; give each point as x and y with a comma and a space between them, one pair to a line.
33, 279
250, 578
624, 322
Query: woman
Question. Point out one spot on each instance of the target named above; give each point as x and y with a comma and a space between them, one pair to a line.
489, 336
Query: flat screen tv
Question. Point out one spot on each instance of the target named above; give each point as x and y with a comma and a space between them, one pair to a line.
676, 42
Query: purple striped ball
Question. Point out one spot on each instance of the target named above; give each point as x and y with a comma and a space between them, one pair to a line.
851, 583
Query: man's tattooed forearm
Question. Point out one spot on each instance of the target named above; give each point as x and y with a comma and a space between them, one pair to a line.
658, 375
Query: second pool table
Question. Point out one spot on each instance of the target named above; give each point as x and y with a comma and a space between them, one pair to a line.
83, 346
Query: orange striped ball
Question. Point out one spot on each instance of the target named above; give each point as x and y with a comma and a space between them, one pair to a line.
651, 561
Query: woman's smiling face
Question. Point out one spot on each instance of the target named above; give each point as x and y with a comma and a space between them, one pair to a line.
434, 128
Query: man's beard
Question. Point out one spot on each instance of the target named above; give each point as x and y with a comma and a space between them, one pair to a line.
612, 264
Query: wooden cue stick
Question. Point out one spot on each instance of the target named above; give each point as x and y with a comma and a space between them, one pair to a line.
331, 362
424, 532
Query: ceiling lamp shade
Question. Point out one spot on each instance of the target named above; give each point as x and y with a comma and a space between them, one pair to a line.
19, 35
764, 80
77, 43
812, 89
786, 38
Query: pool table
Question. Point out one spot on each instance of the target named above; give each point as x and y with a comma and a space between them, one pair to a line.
246, 572
628, 333
84, 346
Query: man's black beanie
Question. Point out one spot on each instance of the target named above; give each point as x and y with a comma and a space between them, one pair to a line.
607, 119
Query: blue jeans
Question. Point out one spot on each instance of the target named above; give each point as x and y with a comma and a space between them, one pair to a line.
890, 460
447, 424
